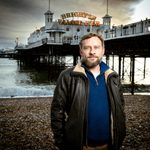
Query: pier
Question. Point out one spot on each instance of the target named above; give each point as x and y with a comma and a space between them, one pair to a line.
52, 43
130, 41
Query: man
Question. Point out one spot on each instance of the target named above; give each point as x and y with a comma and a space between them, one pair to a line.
87, 111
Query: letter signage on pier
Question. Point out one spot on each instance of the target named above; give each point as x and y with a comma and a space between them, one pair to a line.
90, 22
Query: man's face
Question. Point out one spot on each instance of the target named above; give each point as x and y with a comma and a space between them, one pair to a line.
91, 52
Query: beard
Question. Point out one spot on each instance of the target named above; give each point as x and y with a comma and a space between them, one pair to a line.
90, 64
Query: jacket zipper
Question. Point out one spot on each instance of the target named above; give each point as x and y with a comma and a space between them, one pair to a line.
96, 81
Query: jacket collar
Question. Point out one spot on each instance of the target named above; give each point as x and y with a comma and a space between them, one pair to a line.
80, 68
105, 69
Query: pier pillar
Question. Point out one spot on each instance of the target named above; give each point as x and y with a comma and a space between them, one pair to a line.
144, 72
113, 61
119, 66
107, 60
123, 68
130, 69
75, 58
132, 74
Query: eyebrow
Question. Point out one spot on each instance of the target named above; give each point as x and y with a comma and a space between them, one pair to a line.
88, 46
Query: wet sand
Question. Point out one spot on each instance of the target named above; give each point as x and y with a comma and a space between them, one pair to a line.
25, 123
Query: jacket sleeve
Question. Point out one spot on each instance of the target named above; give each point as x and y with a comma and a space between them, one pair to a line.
58, 112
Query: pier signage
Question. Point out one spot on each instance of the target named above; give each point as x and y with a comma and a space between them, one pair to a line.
90, 22
78, 14
79, 22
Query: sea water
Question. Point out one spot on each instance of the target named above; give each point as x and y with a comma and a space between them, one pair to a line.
28, 81
15, 81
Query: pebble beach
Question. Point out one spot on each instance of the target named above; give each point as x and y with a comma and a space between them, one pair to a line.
25, 123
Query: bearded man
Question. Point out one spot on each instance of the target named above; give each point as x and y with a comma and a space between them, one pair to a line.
87, 110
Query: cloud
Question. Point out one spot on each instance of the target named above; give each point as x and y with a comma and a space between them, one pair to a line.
20, 17
120, 10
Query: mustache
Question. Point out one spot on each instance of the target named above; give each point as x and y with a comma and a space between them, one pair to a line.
92, 56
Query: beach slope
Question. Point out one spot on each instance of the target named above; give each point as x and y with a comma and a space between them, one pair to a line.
25, 123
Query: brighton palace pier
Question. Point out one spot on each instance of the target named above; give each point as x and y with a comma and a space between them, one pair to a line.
58, 39
61, 37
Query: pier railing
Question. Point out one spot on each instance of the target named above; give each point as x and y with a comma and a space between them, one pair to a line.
134, 29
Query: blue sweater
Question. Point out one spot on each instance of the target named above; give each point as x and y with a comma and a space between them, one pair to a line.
98, 108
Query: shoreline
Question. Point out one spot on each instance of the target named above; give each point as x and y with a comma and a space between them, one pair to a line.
25, 123
51, 96
25, 97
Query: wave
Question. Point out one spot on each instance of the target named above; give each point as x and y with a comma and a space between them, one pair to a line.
20, 91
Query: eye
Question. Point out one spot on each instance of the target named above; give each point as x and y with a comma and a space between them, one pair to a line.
86, 47
97, 47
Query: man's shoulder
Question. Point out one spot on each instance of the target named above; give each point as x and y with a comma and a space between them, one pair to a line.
67, 71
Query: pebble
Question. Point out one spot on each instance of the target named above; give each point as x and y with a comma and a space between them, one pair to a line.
25, 123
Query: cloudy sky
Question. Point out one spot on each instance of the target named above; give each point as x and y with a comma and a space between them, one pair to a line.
18, 18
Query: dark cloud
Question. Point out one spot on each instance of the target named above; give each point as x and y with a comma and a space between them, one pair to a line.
20, 17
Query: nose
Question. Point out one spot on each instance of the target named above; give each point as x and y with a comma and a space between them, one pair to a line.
92, 50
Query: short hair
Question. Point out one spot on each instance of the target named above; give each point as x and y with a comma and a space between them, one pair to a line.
90, 35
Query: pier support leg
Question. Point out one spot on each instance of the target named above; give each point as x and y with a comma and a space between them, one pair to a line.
113, 61
107, 60
119, 67
123, 68
130, 77
144, 72
132, 74
75, 58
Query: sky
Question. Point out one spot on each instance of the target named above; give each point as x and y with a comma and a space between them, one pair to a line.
19, 18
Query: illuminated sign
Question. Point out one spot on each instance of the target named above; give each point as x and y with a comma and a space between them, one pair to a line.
78, 22
78, 14
90, 22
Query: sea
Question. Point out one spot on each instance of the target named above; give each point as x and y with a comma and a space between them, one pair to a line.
16, 81
27, 81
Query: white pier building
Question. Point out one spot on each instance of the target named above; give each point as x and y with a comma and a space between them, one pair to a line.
70, 27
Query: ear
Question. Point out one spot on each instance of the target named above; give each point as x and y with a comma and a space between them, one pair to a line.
81, 52
103, 50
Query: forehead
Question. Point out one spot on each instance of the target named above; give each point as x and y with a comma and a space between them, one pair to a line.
92, 40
